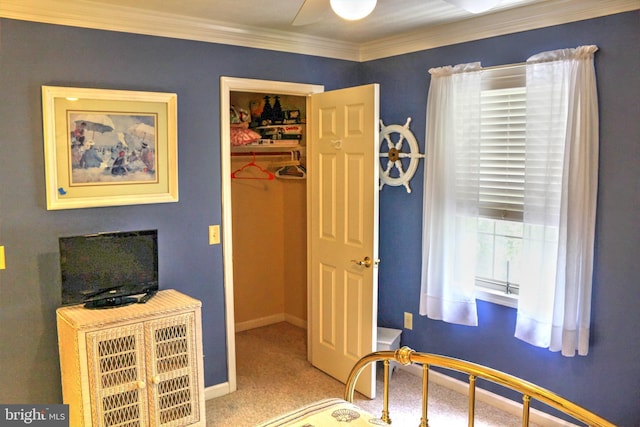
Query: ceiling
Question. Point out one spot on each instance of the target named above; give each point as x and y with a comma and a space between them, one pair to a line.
395, 26
389, 18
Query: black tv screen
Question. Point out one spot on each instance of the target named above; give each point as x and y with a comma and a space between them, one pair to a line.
105, 269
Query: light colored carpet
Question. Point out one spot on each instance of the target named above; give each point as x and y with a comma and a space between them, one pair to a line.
274, 377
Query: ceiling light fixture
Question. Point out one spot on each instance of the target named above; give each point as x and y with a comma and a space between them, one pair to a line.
352, 10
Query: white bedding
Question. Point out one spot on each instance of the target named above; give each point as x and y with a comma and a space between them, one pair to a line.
328, 412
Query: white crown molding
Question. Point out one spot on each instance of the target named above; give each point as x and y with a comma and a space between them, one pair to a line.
538, 15
96, 15
88, 14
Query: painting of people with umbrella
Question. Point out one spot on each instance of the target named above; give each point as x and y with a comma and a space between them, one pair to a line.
106, 147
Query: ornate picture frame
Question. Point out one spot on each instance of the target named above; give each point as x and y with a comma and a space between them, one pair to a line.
109, 147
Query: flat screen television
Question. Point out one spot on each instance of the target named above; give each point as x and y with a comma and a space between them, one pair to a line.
106, 269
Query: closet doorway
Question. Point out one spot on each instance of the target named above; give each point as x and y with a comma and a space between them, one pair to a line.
340, 221
264, 216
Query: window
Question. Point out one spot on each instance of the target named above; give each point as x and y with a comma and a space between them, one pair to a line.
501, 187
499, 255
558, 200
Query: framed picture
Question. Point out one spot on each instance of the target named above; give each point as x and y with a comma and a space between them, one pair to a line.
109, 147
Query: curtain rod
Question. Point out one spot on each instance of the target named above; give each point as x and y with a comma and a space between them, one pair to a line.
505, 67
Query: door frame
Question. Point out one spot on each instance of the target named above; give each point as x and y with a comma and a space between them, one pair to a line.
228, 85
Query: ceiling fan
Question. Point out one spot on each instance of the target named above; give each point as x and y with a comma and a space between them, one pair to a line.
313, 11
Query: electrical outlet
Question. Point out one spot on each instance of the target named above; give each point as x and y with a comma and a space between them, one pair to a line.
408, 320
214, 234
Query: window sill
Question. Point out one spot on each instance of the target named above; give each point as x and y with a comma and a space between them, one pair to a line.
497, 297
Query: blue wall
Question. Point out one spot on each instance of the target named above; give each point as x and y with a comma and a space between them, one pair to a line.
608, 379
32, 55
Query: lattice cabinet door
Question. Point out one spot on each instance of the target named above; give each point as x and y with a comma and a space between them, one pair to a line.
134, 366
117, 376
171, 361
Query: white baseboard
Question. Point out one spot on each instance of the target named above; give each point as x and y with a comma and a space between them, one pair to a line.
217, 390
257, 323
502, 403
270, 320
295, 321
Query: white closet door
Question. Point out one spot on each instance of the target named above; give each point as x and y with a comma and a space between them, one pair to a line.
343, 232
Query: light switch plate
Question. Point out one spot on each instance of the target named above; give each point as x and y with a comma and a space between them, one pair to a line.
214, 234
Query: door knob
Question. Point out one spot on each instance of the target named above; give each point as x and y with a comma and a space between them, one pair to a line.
366, 262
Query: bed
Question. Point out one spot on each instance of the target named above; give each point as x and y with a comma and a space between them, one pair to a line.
329, 412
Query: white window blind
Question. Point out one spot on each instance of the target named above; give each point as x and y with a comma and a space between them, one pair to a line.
502, 144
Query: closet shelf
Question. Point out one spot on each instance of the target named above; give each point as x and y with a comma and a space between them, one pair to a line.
269, 148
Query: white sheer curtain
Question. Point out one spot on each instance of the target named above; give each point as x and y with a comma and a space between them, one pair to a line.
451, 195
561, 171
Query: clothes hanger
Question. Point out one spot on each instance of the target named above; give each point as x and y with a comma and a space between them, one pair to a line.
291, 172
265, 174
292, 169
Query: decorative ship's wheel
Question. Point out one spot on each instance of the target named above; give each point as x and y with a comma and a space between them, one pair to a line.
395, 154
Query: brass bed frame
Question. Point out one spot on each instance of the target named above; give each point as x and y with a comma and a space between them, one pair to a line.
529, 391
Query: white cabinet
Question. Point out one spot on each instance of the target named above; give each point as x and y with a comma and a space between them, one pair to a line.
139, 365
